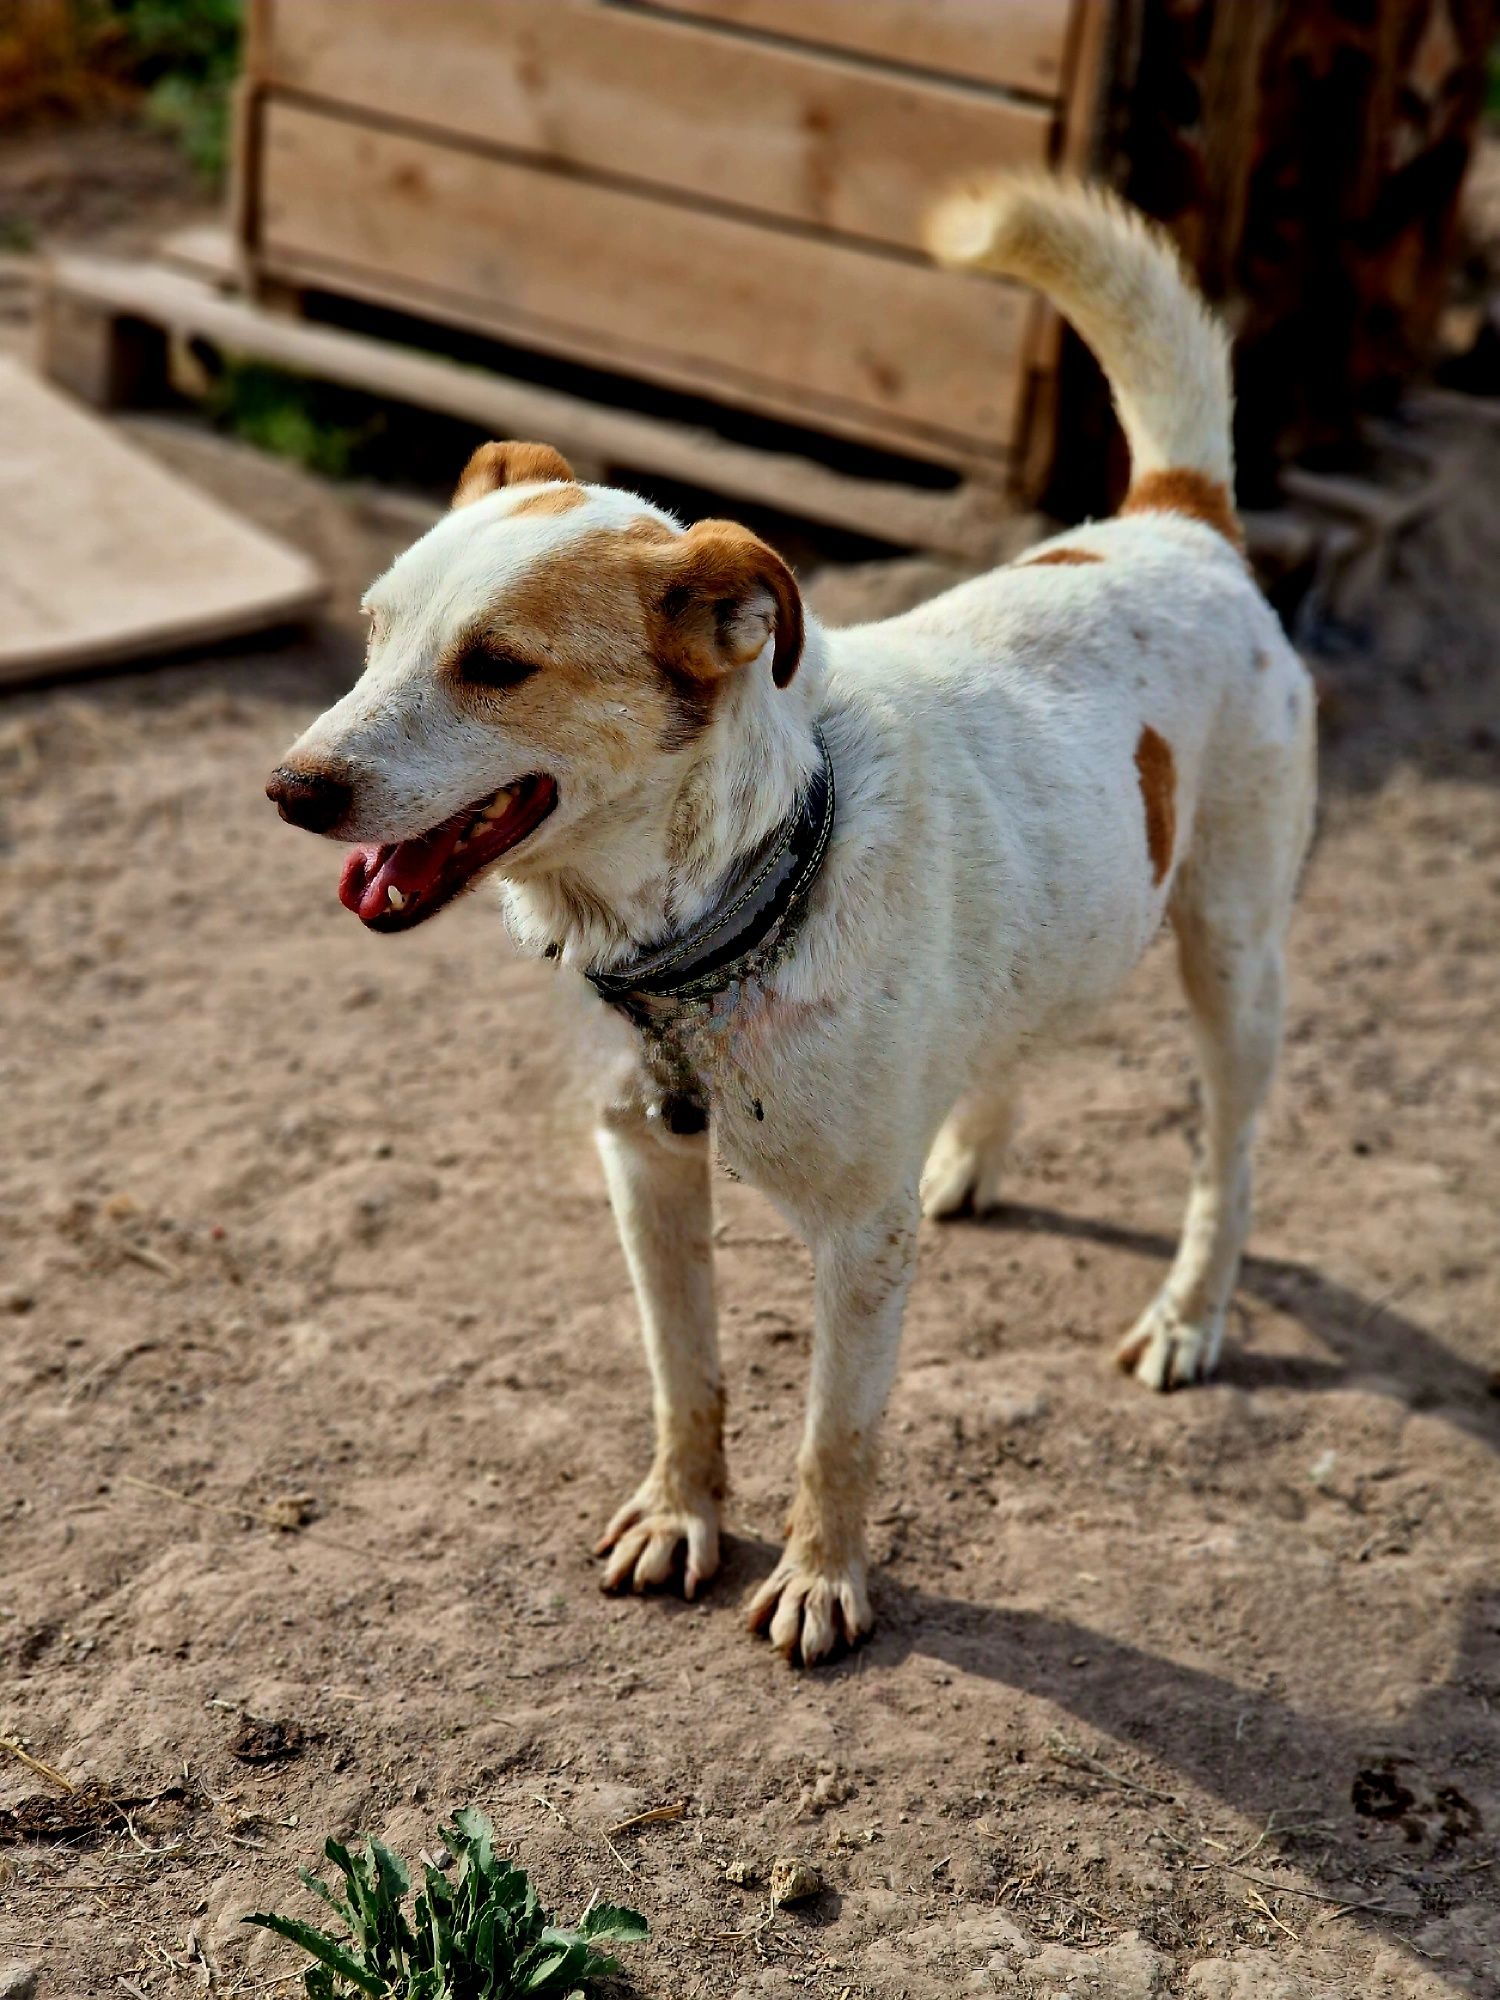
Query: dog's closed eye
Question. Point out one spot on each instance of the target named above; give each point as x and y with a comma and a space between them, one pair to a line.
490, 667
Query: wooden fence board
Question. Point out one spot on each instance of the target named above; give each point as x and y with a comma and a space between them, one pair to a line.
627, 92
1019, 44
974, 520
760, 315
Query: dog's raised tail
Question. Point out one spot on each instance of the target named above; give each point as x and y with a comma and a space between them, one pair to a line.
1121, 284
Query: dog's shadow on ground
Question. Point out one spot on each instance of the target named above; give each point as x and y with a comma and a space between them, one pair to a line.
1372, 1343
1279, 1766
1239, 1743
1285, 1769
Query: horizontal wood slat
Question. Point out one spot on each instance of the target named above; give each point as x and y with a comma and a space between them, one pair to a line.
1020, 44
763, 316
975, 519
634, 94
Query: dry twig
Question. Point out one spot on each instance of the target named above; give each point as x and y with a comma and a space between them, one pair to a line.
1290, 1889
245, 1516
7, 1743
142, 1253
563, 1820
1258, 1902
1074, 1759
657, 1816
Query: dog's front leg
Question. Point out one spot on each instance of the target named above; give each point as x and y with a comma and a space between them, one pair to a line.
818, 1594
659, 1188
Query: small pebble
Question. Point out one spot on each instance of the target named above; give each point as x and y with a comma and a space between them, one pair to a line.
18, 1981
794, 1882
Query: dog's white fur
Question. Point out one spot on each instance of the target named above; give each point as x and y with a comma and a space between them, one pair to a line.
1010, 836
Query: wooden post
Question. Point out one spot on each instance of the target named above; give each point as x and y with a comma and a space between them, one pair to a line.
106, 359
1308, 157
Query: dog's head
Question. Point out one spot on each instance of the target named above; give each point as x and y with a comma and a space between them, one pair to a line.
546, 652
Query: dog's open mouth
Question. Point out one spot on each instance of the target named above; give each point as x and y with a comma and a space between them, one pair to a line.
397, 884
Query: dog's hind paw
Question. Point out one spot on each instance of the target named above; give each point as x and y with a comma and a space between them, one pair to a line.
960, 1177
1166, 1351
647, 1535
810, 1612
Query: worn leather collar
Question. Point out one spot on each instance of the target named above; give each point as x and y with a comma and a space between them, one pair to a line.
757, 913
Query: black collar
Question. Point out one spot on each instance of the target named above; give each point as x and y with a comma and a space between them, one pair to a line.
760, 912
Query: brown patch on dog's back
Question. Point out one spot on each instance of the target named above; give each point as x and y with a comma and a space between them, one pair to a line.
1058, 556
551, 500
1157, 771
1183, 491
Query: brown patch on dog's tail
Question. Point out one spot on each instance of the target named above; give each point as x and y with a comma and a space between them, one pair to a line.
1156, 768
1180, 490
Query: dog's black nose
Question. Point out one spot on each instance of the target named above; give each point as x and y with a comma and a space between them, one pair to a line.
309, 798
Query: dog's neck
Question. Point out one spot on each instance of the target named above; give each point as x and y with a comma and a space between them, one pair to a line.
653, 861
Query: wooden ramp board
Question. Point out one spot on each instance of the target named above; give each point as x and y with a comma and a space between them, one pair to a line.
105, 556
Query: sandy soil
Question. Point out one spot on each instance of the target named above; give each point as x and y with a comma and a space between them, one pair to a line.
319, 1374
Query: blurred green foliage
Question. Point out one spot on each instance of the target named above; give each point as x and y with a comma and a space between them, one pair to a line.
185, 54
75, 58
315, 424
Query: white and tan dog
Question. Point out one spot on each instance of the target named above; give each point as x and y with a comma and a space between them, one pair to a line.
612, 716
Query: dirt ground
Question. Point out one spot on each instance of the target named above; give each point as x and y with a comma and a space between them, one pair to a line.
319, 1375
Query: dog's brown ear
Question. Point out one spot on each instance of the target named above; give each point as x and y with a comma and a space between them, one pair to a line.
722, 594
508, 464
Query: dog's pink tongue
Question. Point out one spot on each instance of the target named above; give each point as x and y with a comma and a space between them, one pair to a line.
409, 866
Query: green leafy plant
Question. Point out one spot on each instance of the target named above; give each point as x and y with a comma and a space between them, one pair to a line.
185, 54
293, 418
476, 1932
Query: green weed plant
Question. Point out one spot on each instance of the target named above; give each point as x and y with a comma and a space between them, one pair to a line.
476, 1931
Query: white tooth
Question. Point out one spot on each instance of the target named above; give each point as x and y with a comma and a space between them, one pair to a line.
395, 898
500, 804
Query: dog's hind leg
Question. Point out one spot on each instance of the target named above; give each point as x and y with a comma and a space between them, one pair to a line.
1234, 989
659, 1189
1229, 909
968, 1156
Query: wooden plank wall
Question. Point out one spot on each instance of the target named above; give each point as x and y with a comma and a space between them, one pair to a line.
1018, 44
795, 134
690, 296
724, 196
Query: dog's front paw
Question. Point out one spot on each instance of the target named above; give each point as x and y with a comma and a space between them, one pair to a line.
644, 1539
1166, 1351
810, 1610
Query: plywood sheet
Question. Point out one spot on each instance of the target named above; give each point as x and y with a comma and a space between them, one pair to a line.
105, 556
